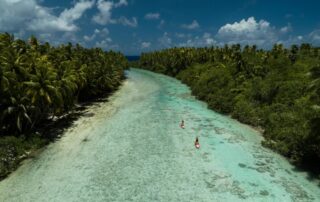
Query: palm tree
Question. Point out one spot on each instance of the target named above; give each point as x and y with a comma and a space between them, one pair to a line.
42, 88
67, 83
16, 112
12, 57
37, 80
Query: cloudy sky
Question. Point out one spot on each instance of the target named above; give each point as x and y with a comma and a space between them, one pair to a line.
135, 26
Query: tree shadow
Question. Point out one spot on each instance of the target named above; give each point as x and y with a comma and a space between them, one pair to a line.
311, 168
53, 130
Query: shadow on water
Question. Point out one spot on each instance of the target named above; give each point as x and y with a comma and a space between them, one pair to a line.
311, 168
53, 130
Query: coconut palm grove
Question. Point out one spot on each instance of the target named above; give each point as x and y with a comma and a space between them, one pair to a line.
40, 83
159, 101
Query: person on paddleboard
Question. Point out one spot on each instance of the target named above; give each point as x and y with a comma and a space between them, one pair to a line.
182, 124
196, 143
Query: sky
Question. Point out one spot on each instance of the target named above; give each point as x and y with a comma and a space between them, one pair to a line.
135, 26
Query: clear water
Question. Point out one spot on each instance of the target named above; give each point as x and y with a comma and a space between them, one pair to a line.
133, 149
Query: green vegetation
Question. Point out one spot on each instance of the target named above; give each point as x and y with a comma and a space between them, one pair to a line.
39, 83
278, 90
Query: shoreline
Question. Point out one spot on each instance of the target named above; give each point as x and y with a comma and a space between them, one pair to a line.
311, 168
12, 156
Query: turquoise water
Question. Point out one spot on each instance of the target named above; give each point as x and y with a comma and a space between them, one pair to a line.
133, 149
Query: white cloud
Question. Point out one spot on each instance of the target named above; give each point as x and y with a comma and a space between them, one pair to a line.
248, 32
288, 41
126, 22
205, 40
245, 26
103, 32
15, 14
145, 45
121, 3
315, 37
194, 25
65, 22
66, 37
89, 38
29, 15
165, 40
105, 11
102, 44
286, 29
77, 11
208, 39
152, 16
97, 33
104, 15
105, 43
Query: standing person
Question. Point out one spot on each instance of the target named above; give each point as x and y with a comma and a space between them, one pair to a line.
196, 143
182, 124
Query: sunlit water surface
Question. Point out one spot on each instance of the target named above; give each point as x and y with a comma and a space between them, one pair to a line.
133, 149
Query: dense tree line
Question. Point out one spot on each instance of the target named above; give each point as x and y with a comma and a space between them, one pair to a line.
40, 81
278, 89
